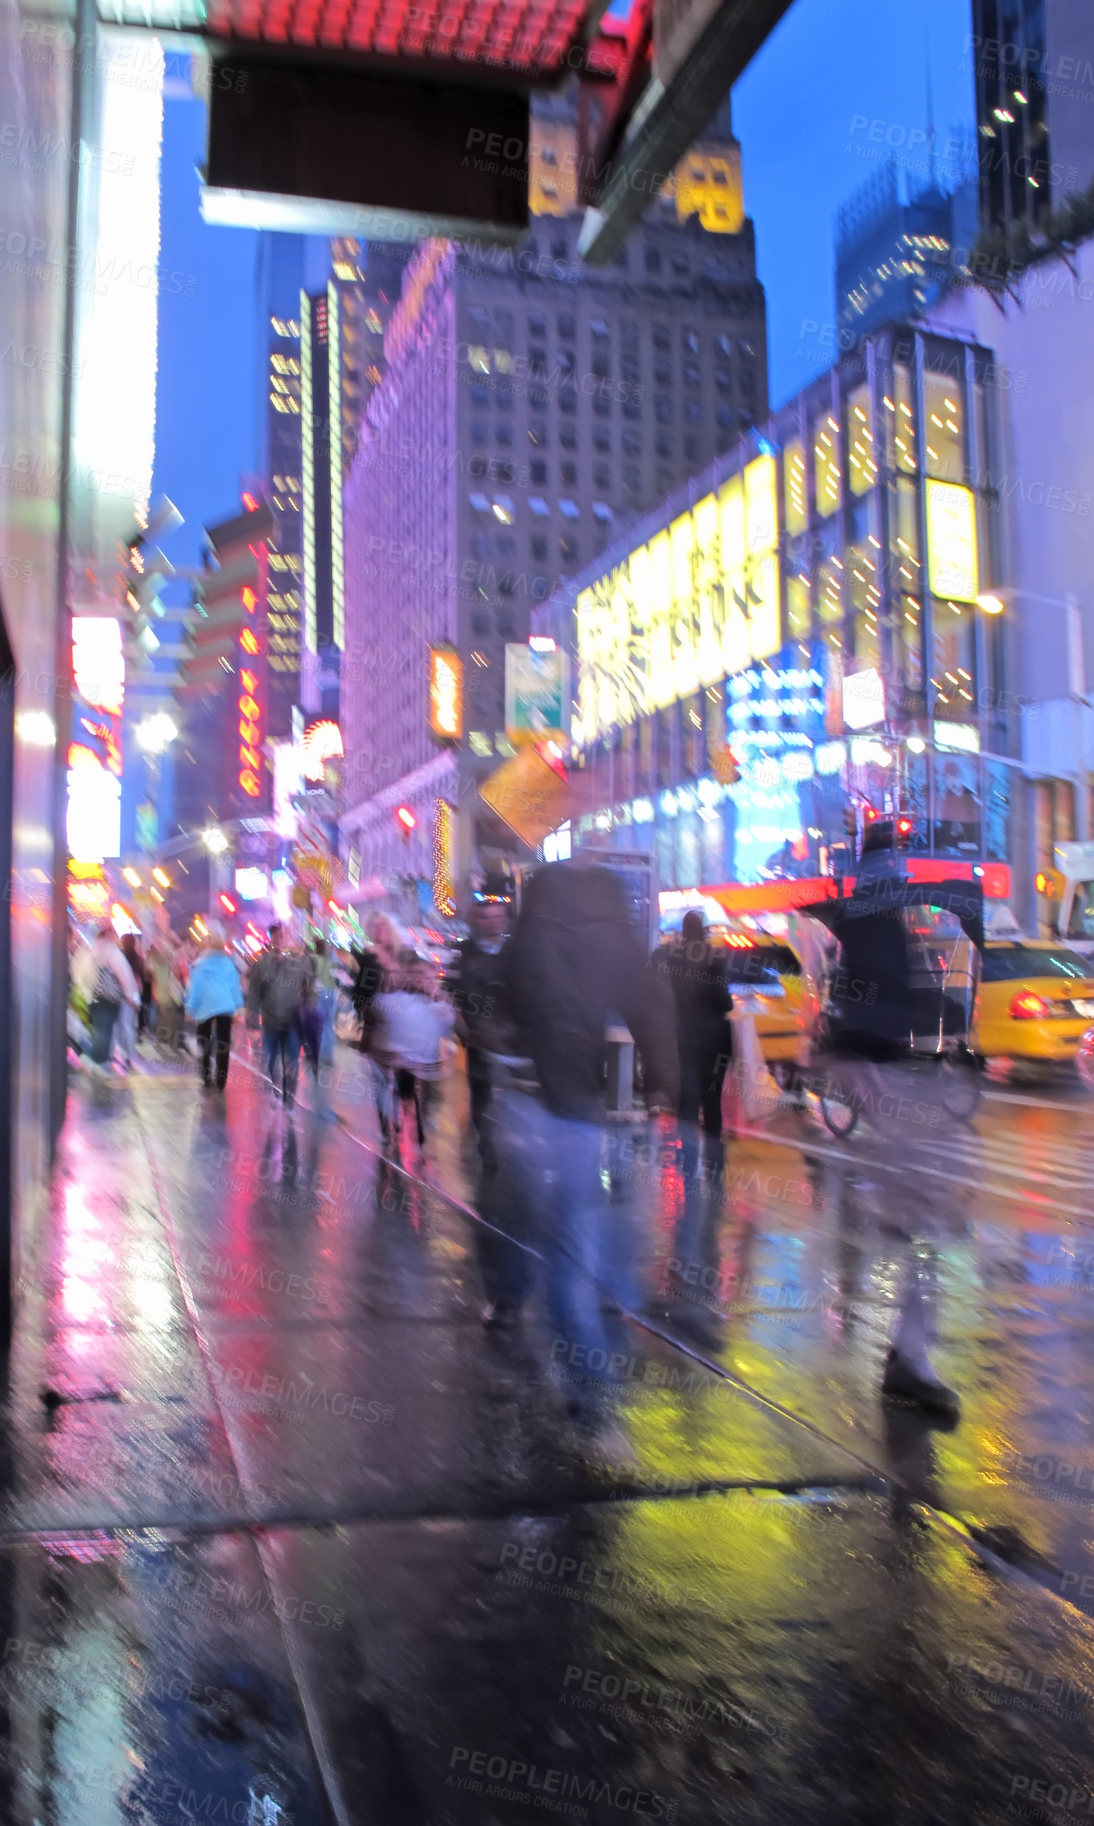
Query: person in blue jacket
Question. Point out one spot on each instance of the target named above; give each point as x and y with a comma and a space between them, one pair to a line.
213, 996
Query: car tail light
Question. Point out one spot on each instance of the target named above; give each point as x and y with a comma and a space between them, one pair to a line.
1026, 1006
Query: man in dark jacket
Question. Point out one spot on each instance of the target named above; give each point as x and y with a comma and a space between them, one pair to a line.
573, 966
697, 975
476, 985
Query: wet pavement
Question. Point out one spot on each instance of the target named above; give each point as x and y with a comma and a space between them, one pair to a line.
288, 1537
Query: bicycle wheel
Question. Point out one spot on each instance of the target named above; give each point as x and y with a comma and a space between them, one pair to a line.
961, 1087
839, 1105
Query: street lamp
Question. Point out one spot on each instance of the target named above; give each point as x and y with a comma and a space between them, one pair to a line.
156, 733
215, 841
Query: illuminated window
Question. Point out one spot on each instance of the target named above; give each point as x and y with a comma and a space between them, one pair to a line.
826, 464
944, 435
862, 447
795, 498
899, 409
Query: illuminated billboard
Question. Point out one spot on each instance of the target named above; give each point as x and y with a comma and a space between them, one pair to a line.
98, 662
952, 559
322, 743
94, 807
699, 602
445, 693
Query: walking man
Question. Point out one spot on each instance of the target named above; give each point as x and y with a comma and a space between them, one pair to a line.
696, 973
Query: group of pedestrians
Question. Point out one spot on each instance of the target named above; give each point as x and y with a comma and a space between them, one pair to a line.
124, 994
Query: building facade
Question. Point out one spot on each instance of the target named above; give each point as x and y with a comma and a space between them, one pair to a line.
531, 407
794, 638
1033, 63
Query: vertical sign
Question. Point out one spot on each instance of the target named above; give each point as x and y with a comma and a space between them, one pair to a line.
252, 678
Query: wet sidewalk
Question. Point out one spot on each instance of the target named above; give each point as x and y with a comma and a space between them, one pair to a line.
290, 1538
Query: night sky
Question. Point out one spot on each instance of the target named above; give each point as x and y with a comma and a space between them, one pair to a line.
804, 113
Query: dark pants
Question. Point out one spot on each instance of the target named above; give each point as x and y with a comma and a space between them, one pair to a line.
221, 1026
282, 1044
479, 1089
702, 1074
424, 1093
103, 1018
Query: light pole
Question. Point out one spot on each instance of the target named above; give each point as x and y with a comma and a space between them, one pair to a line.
996, 602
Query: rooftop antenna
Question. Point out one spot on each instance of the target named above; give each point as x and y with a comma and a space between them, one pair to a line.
930, 105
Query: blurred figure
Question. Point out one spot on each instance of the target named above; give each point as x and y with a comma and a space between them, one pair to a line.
697, 974
166, 968
108, 984
282, 981
127, 1029
573, 963
213, 996
476, 986
376, 973
413, 1017
318, 1020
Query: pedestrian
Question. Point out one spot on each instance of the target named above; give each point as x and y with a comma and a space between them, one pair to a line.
475, 985
282, 984
108, 984
126, 1032
573, 967
698, 977
413, 1018
214, 994
167, 971
376, 973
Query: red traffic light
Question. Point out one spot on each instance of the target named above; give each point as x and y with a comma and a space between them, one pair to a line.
227, 903
406, 819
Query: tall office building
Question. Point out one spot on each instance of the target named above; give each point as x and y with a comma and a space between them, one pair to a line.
341, 364
898, 245
532, 407
282, 265
1034, 73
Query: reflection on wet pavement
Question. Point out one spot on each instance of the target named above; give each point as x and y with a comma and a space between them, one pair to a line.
290, 1537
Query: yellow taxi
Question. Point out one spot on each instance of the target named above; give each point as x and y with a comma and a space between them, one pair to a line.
768, 972
1036, 1002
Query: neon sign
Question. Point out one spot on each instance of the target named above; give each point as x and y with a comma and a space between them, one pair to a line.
248, 704
322, 743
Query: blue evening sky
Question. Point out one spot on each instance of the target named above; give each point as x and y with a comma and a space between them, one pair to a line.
207, 386
837, 84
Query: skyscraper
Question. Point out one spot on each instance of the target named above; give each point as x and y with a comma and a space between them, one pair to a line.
899, 244
282, 263
532, 406
1034, 71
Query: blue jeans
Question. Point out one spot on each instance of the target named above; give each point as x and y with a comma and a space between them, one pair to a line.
547, 1192
102, 1017
282, 1044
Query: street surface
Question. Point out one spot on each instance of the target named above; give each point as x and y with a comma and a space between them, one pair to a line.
289, 1537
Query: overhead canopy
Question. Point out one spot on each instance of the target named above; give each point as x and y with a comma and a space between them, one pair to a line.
964, 899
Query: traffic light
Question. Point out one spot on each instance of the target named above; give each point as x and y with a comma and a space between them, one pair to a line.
904, 829
227, 903
407, 820
1050, 883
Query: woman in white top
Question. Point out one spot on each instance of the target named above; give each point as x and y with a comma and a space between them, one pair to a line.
104, 975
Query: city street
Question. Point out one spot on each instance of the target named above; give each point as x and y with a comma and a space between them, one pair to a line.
288, 1529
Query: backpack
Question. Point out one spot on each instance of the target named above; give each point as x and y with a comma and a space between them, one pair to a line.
287, 990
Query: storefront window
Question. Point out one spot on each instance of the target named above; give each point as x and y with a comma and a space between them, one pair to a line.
957, 814
862, 446
996, 811
945, 428
795, 488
